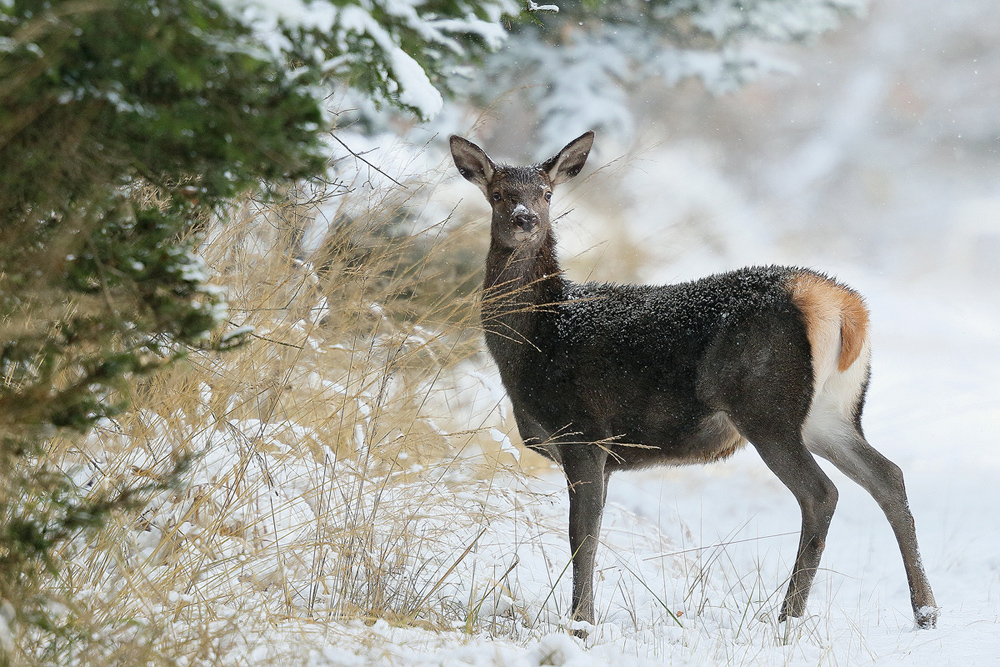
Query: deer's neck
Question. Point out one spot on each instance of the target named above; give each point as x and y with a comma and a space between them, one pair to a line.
519, 290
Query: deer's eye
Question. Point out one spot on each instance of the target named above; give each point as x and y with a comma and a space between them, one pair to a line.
548, 196
496, 196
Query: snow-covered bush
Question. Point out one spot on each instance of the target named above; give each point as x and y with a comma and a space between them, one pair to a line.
319, 451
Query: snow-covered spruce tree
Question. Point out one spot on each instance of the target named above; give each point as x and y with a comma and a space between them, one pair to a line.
123, 126
396, 53
576, 66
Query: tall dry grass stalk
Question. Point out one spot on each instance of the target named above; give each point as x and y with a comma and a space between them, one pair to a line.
329, 448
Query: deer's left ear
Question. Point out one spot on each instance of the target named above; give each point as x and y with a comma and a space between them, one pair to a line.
570, 160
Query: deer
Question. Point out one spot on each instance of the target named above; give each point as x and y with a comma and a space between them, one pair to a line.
609, 377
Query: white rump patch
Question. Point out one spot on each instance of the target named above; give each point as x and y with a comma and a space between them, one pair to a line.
829, 426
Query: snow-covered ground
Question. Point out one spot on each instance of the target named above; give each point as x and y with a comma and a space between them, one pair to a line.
714, 544
278, 538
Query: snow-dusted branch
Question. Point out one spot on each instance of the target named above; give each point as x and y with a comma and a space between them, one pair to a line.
362, 41
532, 7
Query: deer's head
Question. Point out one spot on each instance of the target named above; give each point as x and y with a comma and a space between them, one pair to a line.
520, 196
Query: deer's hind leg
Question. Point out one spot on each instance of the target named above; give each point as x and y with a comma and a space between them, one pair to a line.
760, 375
847, 449
816, 494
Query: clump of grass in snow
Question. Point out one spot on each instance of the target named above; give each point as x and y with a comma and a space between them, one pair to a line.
331, 446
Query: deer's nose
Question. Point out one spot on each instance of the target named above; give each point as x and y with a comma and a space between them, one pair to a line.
524, 218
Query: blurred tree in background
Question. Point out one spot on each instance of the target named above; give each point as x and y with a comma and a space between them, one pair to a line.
574, 70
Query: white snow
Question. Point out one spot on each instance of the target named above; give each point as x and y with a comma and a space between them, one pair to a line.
533, 7
271, 21
710, 546
415, 88
714, 544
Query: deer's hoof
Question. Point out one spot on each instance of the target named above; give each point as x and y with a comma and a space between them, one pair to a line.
789, 611
581, 628
926, 617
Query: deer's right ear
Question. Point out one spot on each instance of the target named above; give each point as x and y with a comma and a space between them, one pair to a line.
472, 161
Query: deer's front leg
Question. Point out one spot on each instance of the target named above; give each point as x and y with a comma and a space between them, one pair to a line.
584, 467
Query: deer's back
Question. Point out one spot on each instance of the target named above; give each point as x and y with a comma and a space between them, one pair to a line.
660, 366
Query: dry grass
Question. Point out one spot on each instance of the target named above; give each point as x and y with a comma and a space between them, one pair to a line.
330, 446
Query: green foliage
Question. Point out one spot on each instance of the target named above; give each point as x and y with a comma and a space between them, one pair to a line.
96, 95
123, 126
102, 102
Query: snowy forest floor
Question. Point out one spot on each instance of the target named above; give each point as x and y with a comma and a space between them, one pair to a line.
933, 408
328, 525
714, 544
